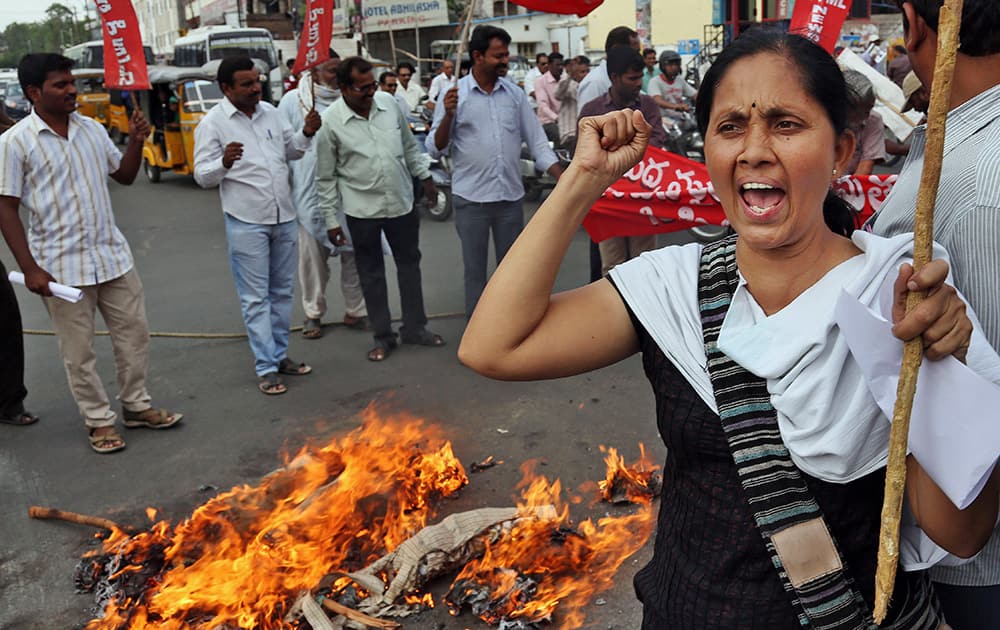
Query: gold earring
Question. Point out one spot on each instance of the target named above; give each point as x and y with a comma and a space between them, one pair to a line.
834, 172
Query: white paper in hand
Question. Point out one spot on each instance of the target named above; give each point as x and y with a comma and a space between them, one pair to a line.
61, 291
954, 433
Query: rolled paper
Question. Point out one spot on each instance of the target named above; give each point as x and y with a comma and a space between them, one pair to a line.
61, 291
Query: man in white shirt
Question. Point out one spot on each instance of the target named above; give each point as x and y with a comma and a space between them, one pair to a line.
318, 90
442, 81
388, 82
73, 239
410, 84
670, 91
367, 158
541, 67
597, 82
243, 146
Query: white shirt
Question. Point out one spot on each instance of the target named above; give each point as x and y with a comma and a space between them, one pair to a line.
529, 80
413, 93
827, 415
595, 84
439, 83
62, 183
255, 189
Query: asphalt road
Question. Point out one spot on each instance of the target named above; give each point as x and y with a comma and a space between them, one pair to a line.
232, 435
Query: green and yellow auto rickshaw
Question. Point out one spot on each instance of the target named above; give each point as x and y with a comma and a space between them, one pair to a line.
178, 100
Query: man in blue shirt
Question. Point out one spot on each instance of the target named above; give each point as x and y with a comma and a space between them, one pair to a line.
481, 123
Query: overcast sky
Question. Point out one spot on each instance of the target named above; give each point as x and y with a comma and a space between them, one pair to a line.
31, 11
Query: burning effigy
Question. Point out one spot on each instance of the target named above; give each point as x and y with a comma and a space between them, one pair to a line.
338, 538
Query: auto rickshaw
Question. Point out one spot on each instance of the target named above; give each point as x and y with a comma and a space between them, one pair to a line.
119, 111
178, 100
91, 97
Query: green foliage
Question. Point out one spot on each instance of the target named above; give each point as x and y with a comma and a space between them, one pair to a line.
60, 29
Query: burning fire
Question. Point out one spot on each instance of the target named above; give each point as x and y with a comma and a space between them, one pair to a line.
244, 557
635, 483
544, 564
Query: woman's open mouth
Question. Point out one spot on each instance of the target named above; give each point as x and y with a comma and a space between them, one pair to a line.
761, 199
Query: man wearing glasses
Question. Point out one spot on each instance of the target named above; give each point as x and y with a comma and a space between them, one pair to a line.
410, 87
367, 157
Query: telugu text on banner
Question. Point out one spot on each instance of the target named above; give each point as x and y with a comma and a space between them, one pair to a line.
665, 192
314, 44
124, 60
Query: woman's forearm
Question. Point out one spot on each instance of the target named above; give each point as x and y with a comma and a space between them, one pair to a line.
960, 532
518, 293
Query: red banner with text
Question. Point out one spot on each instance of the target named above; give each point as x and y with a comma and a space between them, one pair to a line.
314, 44
665, 192
124, 60
820, 20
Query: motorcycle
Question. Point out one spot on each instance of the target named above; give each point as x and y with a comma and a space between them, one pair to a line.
441, 208
536, 182
683, 137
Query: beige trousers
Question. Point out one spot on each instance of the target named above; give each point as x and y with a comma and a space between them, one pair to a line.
123, 308
314, 274
618, 249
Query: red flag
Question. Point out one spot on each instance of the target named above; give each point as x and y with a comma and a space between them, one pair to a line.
314, 44
124, 59
563, 7
665, 192
820, 20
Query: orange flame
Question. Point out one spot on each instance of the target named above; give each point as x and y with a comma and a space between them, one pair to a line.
243, 557
547, 563
635, 483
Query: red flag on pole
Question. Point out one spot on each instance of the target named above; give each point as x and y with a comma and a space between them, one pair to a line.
563, 7
124, 59
314, 44
820, 20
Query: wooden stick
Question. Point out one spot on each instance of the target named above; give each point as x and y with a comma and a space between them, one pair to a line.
360, 617
949, 22
463, 41
36, 511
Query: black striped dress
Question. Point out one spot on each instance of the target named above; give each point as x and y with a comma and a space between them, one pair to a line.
710, 568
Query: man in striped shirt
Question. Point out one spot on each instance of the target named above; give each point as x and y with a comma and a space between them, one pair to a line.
967, 223
55, 163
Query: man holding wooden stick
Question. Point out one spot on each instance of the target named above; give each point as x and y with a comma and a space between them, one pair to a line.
966, 222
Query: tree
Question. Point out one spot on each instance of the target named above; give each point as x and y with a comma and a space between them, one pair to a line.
59, 30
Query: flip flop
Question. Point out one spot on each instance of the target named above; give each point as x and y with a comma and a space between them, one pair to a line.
312, 329
381, 350
424, 338
271, 385
22, 419
150, 418
287, 366
107, 443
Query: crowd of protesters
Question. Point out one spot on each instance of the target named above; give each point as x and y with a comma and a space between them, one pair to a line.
330, 173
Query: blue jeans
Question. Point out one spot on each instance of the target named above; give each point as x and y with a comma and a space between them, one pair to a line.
473, 221
263, 259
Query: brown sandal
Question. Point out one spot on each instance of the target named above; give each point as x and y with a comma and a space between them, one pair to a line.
109, 442
150, 418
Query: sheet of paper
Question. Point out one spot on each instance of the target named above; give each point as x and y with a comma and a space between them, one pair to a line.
61, 291
954, 427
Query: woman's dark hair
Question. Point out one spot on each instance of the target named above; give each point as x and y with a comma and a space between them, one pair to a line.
820, 77
482, 35
35, 68
230, 66
347, 68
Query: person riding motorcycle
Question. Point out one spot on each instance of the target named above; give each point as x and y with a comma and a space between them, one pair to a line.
670, 91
